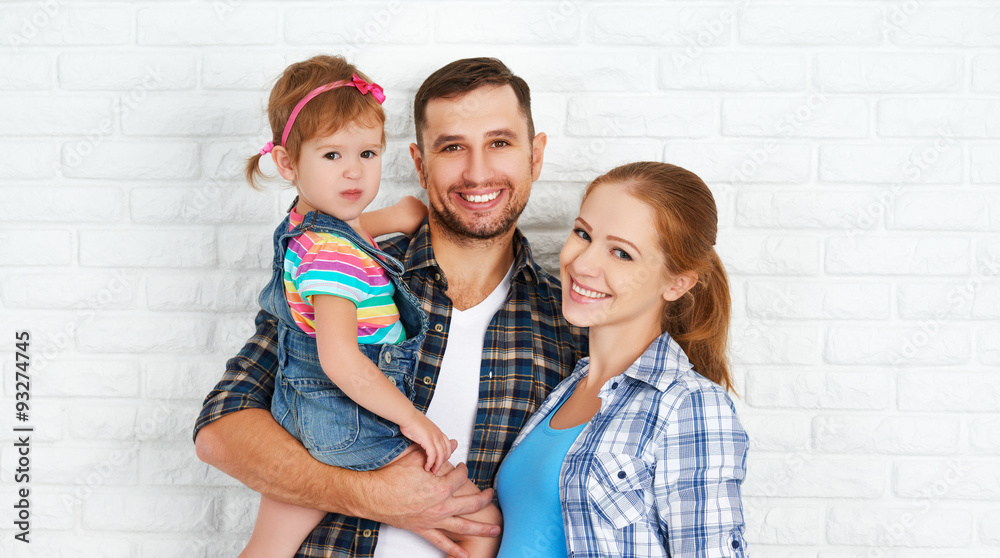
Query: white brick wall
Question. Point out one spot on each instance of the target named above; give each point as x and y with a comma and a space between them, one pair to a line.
854, 149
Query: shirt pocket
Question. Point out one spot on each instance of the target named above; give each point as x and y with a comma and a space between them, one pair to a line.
618, 486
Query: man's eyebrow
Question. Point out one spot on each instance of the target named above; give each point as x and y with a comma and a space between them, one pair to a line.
501, 133
441, 140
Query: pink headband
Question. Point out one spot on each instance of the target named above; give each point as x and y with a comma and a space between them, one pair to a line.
362, 86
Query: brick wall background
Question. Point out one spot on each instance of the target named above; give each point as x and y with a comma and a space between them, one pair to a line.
854, 149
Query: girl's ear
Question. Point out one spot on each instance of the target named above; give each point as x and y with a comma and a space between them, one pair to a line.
678, 285
286, 168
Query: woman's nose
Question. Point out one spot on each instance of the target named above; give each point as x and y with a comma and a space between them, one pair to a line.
585, 263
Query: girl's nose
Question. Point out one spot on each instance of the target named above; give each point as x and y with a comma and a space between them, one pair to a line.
353, 169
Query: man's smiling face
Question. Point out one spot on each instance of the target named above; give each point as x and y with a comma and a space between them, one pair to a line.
478, 162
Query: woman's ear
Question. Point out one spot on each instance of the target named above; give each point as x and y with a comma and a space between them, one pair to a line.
679, 284
286, 168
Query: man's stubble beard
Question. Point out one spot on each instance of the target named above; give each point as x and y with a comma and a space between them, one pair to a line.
461, 232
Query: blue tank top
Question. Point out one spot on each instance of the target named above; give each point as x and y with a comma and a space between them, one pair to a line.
528, 491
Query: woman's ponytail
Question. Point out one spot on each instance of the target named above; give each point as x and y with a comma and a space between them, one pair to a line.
699, 322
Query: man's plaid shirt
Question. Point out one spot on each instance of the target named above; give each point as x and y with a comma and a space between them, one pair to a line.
529, 348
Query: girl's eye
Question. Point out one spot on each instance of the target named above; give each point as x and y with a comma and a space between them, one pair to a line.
368, 154
582, 234
332, 155
621, 254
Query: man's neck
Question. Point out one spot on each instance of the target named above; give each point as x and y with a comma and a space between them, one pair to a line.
473, 268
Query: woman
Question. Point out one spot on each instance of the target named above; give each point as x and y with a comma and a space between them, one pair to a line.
639, 452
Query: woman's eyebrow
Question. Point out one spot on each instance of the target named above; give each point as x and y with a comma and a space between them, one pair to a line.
620, 239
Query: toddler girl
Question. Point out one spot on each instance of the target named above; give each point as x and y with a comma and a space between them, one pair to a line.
339, 300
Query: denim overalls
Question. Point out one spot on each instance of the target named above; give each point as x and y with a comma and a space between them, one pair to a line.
306, 403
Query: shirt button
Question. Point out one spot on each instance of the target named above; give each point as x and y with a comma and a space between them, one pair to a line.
614, 385
621, 474
392, 380
736, 544
437, 276
428, 380
388, 358
367, 532
438, 328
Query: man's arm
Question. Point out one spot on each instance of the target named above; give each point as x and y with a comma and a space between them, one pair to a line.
237, 434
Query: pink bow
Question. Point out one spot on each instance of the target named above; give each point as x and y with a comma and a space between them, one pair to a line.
365, 87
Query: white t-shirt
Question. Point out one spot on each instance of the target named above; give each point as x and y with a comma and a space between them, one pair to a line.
454, 404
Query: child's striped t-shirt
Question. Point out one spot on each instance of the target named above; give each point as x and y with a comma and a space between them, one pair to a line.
319, 263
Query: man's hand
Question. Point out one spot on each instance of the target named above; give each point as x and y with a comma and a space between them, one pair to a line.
426, 504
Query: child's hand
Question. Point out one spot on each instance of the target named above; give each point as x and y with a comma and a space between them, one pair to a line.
428, 436
408, 213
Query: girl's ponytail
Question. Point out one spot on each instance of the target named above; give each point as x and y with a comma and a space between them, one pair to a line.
254, 175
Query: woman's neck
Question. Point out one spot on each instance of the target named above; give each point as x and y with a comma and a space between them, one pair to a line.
613, 348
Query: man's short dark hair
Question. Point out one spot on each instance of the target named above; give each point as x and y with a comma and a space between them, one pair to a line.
462, 76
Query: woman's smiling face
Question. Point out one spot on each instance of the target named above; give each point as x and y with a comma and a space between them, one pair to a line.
611, 266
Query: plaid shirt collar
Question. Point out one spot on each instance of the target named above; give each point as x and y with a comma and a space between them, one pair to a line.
420, 254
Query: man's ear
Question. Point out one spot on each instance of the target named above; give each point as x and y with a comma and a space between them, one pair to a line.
678, 285
537, 154
284, 163
418, 163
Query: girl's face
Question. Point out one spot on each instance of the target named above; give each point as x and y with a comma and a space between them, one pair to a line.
339, 174
611, 266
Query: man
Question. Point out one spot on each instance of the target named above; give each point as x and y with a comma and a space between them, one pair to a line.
491, 309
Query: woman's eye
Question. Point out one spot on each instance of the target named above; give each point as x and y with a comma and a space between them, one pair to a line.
332, 155
582, 234
621, 254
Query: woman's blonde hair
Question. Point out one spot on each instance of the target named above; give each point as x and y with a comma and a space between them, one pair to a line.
324, 115
686, 220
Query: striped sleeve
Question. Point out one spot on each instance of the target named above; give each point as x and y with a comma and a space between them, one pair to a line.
326, 264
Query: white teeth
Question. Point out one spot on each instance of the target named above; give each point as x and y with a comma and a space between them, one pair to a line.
481, 199
589, 294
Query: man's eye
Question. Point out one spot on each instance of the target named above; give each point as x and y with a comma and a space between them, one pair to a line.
500, 143
452, 148
332, 155
582, 234
621, 254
